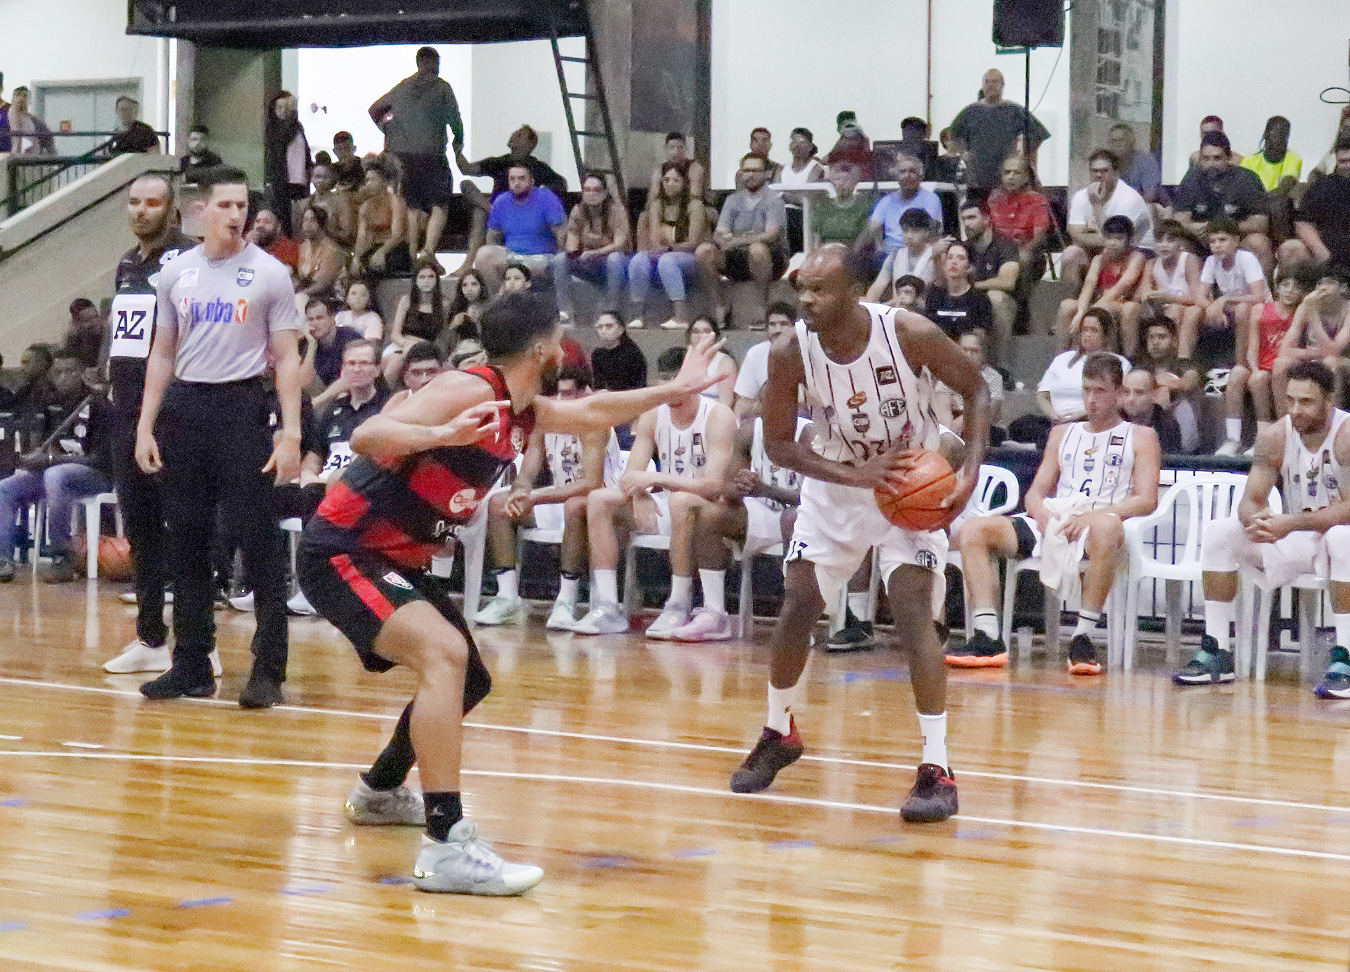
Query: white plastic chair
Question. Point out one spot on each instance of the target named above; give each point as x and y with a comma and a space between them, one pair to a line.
1208, 497
93, 522
981, 503
472, 539
292, 526
1255, 603
754, 547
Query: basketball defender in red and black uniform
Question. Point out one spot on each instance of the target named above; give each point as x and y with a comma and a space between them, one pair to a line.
422, 469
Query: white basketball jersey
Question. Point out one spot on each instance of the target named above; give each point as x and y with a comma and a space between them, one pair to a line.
1312, 477
1096, 465
683, 452
562, 452
872, 403
766, 470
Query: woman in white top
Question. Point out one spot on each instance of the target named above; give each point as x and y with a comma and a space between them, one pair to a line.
1060, 392
804, 168
358, 315
723, 364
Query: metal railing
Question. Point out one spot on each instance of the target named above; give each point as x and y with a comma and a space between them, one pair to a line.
30, 178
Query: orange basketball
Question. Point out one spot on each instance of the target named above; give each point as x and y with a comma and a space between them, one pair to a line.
114, 557
917, 506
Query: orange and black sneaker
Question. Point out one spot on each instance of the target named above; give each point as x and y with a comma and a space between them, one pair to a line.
933, 797
980, 651
1083, 657
772, 753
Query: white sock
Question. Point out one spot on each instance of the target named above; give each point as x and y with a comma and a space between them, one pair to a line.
506, 584
681, 591
858, 604
1342, 629
1219, 617
1087, 622
986, 622
780, 709
1234, 428
714, 589
933, 729
567, 589
604, 588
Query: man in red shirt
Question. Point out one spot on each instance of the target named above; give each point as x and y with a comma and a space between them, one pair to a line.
266, 233
1022, 214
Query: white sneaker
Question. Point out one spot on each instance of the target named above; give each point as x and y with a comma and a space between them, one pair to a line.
636, 324
400, 805
129, 597
244, 602
140, 657
673, 325
216, 668
670, 618
467, 864
705, 625
299, 605
603, 619
501, 610
1230, 447
563, 617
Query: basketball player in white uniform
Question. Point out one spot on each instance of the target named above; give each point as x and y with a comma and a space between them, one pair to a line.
757, 509
578, 465
862, 366
1097, 474
1309, 450
692, 439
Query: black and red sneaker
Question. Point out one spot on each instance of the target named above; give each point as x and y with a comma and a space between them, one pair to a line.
773, 752
933, 797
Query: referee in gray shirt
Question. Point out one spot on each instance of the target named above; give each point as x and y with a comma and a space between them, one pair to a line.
225, 308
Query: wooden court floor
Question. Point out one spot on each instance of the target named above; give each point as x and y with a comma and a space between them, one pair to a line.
1115, 824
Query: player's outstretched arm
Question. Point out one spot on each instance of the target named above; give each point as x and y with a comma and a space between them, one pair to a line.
455, 409
926, 345
604, 410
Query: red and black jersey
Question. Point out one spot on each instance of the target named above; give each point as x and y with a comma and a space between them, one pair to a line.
404, 509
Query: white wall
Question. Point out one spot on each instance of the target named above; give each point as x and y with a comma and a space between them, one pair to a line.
784, 63
1247, 65
335, 86
499, 87
81, 40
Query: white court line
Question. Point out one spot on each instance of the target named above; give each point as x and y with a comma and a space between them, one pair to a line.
706, 791
83, 745
734, 750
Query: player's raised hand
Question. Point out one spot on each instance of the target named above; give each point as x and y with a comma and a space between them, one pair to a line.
482, 421
696, 372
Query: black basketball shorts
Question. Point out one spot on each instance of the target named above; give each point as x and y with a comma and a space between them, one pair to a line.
358, 591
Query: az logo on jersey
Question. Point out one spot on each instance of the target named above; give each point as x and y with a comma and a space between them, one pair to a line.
892, 408
858, 400
886, 375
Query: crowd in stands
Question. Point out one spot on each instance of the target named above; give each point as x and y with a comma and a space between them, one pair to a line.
1207, 293
24, 133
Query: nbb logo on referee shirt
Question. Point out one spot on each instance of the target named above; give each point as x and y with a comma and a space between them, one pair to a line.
215, 311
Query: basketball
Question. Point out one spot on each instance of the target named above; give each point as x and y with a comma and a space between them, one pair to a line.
917, 506
114, 557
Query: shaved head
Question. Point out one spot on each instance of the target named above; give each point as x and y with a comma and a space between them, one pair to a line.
829, 286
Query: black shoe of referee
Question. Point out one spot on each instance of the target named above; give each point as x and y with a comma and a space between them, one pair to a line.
261, 692
177, 683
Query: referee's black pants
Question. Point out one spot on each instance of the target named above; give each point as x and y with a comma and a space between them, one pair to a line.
214, 440
143, 517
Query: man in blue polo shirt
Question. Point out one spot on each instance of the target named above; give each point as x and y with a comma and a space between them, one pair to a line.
525, 226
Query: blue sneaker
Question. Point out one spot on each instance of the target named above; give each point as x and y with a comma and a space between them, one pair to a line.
1336, 683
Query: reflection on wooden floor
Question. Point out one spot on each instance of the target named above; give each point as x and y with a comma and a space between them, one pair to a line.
1113, 824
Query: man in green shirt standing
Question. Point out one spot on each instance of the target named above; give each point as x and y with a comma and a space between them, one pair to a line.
413, 117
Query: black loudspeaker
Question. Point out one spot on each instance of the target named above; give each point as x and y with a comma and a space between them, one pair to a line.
1029, 23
